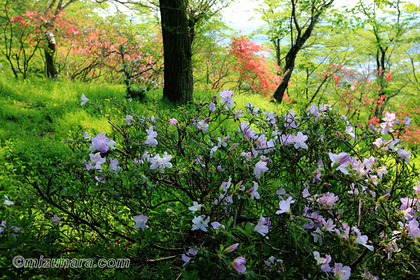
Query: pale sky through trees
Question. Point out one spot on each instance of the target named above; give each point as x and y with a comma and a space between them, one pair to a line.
241, 16
238, 15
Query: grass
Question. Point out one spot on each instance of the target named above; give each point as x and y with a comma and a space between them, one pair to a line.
38, 114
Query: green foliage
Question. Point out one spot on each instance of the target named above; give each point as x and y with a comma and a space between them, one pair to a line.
96, 207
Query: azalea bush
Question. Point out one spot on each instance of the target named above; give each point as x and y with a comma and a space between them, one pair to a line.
24, 34
256, 73
363, 101
211, 190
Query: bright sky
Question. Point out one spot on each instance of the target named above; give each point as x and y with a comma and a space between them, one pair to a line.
238, 14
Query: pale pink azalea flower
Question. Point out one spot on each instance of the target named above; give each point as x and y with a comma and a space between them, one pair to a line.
84, 100
353, 190
160, 162
260, 166
226, 185
196, 207
200, 222
187, 257
381, 171
313, 110
391, 248
340, 272
8, 201
97, 159
231, 248
325, 107
413, 228
253, 191
270, 117
369, 162
350, 131
345, 234
88, 165
55, 219
328, 225
407, 121
358, 166
234, 145
212, 107
272, 261
227, 98
317, 175
393, 144
14, 229
417, 189
150, 140
101, 142
261, 142
247, 132
390, 117
329, 199
128, 119
290, 119
340, 161
361, 239
114, 165
299, 141
285, 205
254, 152
172, 121
404, 155
318, 234
140, 222
203, 125
222, 142
374, 179
305, 193
378, 142
217, 225
324, 262
386, 127
409, 203
238, 114
281, 191
255, 110
286, 139
239, 264
262, 227
367, 275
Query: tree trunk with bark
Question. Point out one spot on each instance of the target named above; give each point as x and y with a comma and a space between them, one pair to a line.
298, 44
177, 33
49, 54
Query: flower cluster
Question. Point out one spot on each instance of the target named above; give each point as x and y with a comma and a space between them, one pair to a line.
240, 189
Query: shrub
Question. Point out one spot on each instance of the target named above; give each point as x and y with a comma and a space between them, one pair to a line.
217, 192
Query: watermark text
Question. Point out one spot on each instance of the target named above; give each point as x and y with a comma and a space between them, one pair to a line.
43, 262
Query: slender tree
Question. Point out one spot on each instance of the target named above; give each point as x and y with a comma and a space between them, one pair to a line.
301, 19
56, 7
387, 31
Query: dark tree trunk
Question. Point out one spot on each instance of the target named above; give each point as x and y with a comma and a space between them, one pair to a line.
177, 33
296, 47
49, 55
290, 63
